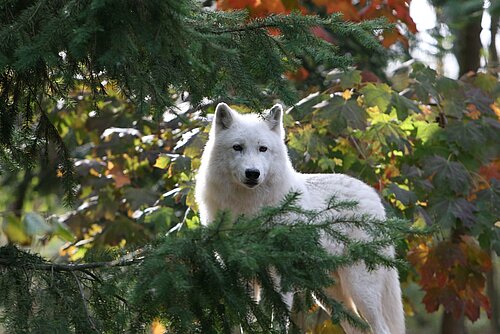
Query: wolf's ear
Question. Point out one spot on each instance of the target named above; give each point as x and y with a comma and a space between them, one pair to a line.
274, 118
223, 116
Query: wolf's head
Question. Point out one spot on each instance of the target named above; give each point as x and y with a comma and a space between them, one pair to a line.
248, 148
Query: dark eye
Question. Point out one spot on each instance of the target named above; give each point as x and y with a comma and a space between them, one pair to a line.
237, 148
262, 148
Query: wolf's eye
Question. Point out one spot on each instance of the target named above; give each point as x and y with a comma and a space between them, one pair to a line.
237, 148
262, 148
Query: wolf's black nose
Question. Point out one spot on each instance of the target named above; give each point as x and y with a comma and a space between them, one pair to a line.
252, 174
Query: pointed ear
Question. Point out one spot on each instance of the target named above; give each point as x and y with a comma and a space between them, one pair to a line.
223, 116
274, 118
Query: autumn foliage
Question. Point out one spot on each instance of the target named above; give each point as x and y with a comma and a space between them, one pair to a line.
394, 11
452, 274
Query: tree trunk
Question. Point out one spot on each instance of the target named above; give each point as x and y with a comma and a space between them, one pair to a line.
492, 48
451, 325
492, 291
20, 193
468, 45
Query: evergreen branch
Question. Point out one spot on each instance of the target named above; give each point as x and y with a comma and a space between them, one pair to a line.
197, 280
166, 46
84, 301
127, 260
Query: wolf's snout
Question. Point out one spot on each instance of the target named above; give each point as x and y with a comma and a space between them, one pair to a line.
252, 174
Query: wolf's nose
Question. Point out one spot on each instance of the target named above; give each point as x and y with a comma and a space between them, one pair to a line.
252, 174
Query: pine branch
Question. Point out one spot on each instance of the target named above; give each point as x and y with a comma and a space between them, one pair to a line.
16, 259
197, 280
48, 48
84, 302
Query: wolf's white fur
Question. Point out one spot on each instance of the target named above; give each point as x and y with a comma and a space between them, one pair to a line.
222, 184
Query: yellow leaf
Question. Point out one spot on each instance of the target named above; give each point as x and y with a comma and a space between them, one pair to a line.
347, 94
373, 110
14, 230
496, 109
109, 215
162, 162
426, 110
93, 172
157, 328
407, 306
360, 100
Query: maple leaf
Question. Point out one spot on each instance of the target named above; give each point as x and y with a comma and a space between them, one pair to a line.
343, 113
118, 174
406, 197
377, 95
447, 210
453, 275
468, 136
448, 174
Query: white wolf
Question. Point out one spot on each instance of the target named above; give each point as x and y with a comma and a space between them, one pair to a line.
245, 166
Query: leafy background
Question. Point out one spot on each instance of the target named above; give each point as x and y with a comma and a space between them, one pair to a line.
429, 145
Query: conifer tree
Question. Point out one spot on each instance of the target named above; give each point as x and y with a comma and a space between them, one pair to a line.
148, 49
195, 281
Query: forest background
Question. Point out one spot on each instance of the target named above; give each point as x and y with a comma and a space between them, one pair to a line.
95, 160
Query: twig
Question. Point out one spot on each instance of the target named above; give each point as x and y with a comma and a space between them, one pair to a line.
82, 294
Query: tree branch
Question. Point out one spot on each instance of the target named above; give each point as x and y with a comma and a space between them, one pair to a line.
126, 260
84, 300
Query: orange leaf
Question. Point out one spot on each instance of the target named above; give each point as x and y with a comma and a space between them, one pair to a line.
121, 179
157, 327
496, 109
299, 75
473, 112
491, 170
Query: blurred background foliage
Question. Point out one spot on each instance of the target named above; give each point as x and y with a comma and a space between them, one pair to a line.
427, 143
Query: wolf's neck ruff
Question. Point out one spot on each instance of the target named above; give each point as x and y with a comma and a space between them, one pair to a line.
240, 199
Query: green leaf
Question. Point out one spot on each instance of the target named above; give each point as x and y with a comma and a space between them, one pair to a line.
486, 82
304, 106
448, 88
161, 218
447, 210
448, 174
139, 197
63, 232
342, 113
488, 206
426, 130
347, 79
406, 197
467, 136
425, 82
377, 95
403, 105
389, 135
